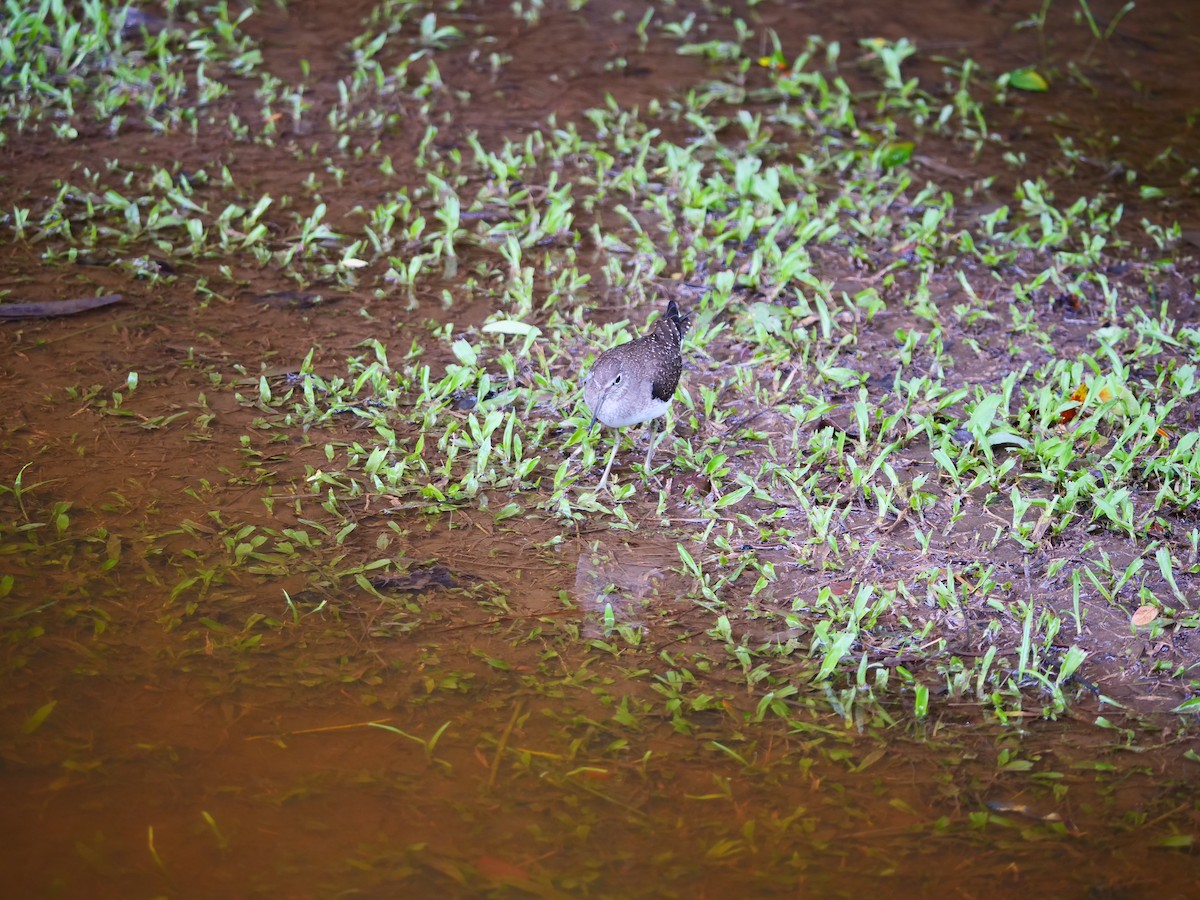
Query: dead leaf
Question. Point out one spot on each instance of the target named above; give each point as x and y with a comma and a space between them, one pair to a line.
1079, 395
415, 581
56, 307
495, 869
1144, 616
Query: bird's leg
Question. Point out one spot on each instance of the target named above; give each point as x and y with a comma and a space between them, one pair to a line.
655, 437
611, 457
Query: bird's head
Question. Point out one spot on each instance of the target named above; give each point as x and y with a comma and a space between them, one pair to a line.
604, 387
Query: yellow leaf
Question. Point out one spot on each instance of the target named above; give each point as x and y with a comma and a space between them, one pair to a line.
34, 722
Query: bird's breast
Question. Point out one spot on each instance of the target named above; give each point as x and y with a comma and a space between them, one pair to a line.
621, 411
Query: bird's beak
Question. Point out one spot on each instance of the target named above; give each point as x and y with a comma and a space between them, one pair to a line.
596, 411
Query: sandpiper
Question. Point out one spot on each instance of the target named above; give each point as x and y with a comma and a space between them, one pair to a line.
635, 382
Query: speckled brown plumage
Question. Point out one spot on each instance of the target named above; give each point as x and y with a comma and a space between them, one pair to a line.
635, 382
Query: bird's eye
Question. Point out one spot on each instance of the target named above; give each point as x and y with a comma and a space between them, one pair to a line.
616, 381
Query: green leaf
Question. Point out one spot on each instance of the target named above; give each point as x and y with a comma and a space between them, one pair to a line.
689, 562
896, 154
982, 416
1016, 765
1071, 661
508, 511
1007, 439
838, 648
1028, 80
34, 722
1177, 840
921, 701
732, 497
1188, 705
510, 326
623, 716
842, 376
465, 352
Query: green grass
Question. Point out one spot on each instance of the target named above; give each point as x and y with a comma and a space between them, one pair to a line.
886, 496
863, 431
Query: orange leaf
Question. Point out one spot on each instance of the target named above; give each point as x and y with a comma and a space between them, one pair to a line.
496, 869
591, 772
1144, 616
1078, 395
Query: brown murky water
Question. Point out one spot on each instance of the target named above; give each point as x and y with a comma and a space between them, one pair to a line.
528, 711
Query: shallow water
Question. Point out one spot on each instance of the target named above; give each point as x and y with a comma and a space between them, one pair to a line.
521, 707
